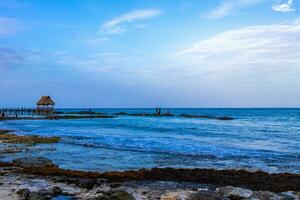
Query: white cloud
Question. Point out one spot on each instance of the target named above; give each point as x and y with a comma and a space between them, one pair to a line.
8, 26
267, 49
284, 7
227, 7
115, 25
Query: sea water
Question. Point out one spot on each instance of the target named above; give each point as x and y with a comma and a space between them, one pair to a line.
257, 139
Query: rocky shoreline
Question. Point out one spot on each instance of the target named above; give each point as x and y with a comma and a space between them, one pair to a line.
37, 178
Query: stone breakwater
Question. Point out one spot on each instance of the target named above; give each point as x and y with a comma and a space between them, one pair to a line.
35, 178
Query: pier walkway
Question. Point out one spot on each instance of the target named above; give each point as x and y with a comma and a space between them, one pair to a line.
16, 112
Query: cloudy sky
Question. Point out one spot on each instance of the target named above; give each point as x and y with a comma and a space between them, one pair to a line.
146, 53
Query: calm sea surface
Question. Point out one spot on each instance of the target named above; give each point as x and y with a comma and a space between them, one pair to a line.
265, 139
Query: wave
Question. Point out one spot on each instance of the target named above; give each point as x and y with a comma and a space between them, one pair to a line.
194, 156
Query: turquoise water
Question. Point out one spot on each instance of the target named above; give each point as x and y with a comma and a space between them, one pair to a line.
265, 139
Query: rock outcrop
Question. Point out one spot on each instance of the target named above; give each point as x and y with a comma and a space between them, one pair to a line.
33, 162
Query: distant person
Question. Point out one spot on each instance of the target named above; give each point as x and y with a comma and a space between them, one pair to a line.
3, 115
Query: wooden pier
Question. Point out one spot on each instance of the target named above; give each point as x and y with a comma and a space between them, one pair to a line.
45, 108
21, 112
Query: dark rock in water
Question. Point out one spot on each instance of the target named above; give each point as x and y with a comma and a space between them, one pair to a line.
120, 195
33, 162
7, 137
145, 114
224, 118
121, 113
12, 149
57, 190
23, 194
235, 197
207, 195
40, 195
86, 183
115, 185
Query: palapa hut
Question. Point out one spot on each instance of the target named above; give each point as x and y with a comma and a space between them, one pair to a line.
45, 105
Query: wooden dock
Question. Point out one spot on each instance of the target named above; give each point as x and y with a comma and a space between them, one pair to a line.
21, 112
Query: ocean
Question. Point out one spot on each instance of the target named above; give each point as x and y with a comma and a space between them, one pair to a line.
257, 139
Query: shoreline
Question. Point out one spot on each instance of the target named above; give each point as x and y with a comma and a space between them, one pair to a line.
17, 177
16, 180
239, 178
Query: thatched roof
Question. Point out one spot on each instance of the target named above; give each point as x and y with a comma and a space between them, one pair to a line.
45, 100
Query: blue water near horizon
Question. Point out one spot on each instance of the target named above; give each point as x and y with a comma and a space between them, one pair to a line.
258, 139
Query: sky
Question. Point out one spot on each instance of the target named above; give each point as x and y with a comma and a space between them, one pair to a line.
148, 53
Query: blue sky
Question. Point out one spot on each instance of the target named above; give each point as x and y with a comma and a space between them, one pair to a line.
147, 53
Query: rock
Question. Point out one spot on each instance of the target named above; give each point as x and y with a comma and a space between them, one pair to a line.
290, 195
23, 194
12, 149
102, 197
121, 195
235, 192
206, 195
263, 195
170, 196
86, 183
40, 195
115, 185
235, 197
33, 162
57, 190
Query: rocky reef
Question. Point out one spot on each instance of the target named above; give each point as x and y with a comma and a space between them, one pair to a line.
171, 115
37, 178
8, 137
145, 114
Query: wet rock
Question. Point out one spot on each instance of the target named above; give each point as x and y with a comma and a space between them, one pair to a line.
207, 195
12, 149
290, 195
40, 195
235, 192
23, 193
115, 185
121, 195
235, 197
8, 137
102, 197
56, 191
86, 183
33, 162
263, 195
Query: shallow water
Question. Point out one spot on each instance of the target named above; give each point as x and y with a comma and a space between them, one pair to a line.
265, 139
